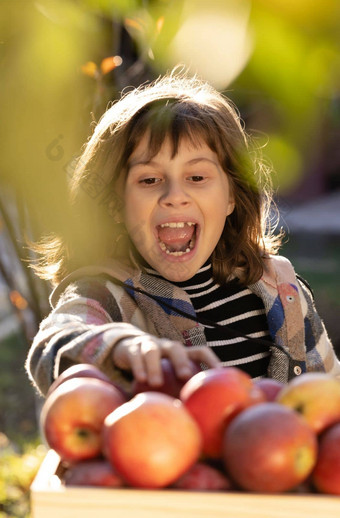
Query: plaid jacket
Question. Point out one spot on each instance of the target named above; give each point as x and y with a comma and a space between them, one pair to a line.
96, 306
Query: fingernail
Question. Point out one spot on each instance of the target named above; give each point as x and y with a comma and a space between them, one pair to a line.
155, 380
141, 377
184, 372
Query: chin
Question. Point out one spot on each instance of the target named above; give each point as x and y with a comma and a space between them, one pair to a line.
179, 278
177, 272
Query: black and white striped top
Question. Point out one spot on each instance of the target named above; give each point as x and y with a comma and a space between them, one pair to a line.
238, 308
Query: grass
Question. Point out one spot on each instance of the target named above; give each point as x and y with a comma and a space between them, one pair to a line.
17, 397
18, 467
21, 450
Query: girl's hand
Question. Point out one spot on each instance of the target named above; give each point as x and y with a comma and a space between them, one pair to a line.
142, 355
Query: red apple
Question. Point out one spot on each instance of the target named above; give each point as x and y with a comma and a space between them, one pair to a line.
151, 440
270, 448
81, 370
270, 387
326, 474
171, 385
316, 395
202, 477
94, 472
214, 397
72, 416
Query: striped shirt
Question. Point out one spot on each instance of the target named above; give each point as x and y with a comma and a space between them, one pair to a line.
231, 306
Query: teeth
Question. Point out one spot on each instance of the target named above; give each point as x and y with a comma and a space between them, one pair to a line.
177, 224
179, 253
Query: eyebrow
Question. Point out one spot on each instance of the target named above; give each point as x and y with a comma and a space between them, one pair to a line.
193, 161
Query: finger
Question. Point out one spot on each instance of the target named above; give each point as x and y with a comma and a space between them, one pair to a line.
120, 356
151, 355
126, 356
136, 362
205, 355
177, 353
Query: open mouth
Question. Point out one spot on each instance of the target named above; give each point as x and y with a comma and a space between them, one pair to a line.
177, 238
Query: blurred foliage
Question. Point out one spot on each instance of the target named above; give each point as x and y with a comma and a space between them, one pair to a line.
18, 467
43, 98
18, 406
294, 73
21, 451
277, 59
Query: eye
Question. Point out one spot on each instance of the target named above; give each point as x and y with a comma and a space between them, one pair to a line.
149, 181
196, 178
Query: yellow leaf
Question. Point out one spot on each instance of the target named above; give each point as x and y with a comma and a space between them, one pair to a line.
134, 23
89, 69
18, 300
110, 63
159, 24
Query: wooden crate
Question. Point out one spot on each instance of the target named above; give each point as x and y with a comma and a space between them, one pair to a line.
51, 499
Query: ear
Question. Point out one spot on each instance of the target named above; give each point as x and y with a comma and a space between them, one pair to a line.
230, 205
230, 198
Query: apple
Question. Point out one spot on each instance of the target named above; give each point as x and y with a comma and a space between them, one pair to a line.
270, 448
94, 472
270, 387
151, 440
214, 397
72, 416
202, 477
326, 474
171, 385
82, 370
316, 396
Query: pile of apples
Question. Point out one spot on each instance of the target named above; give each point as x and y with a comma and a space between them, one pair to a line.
219, 430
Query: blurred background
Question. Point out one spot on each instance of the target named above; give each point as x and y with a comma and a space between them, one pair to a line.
63, 61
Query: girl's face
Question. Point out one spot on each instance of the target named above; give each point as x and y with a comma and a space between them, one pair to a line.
176, 207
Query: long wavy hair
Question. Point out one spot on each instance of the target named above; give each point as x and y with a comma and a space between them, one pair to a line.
174, 106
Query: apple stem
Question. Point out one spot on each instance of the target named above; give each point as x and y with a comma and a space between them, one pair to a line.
83, 433
299, 408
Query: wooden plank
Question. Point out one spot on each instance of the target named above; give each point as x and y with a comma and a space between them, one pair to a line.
51, 499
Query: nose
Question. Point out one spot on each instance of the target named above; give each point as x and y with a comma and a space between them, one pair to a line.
174, 195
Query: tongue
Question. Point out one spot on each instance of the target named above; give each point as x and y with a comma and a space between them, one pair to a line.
176, 239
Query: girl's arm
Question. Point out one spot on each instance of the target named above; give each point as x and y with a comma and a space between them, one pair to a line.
82, 329
77, 331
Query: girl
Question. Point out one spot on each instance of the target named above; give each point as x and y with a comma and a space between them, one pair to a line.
171, 252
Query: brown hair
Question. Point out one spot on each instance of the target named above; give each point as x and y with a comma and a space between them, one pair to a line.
173, 106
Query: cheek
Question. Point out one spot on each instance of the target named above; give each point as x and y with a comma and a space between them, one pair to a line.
131, 206
139, 204
127, 213
135, 219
